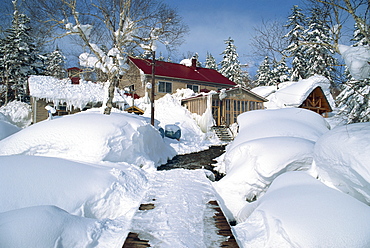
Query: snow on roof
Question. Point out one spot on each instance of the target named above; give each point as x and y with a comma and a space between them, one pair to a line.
61, 90
173, 70
292, 94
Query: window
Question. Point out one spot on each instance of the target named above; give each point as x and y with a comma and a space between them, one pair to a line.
165, 87
195, 88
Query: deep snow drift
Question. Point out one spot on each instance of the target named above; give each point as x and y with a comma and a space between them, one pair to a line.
269, 143
93, 137
342, 157
299, 211
35, 189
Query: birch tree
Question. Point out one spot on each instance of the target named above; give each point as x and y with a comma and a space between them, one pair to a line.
124, 26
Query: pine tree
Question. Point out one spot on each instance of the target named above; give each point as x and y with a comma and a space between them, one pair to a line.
319, 51
280, 72
20, 57
295, 50
54, 63
358, 38
264, 73
354, 100
211, 62
230, 65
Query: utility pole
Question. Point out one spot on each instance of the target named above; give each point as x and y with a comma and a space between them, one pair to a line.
153, 90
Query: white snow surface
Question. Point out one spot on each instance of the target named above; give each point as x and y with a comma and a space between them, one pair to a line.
292, 94
300, 211
342, 158
74, 95
93, 137
168, 111
175, 221
50, 226
7, 129
98, 202
269, 143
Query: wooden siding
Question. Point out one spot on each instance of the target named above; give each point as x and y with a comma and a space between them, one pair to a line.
317, 102
133, 77
225, 111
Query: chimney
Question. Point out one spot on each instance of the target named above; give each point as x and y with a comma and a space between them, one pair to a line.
194, 63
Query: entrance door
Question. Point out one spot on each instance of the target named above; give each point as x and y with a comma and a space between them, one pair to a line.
216, 114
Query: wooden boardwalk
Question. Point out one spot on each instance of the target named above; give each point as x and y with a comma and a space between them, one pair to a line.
223, 227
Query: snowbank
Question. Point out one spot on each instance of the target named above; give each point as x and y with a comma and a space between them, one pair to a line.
7, 129
299, 211
17, 113
291, 122
269, 143
50, 226
93, 137
343, 160
168, 110
81, 189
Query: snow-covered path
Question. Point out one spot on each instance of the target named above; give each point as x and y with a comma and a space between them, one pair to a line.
182, 215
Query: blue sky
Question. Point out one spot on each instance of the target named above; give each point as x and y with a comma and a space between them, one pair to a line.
213, 21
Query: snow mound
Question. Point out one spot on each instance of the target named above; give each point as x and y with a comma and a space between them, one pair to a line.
81, 189
92, 137
269, 143
253, 165
50, 226
168, 111
300, 211
7, 129
343, 160
17, 113
291, 122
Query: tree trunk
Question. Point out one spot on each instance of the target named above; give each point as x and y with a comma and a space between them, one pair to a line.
112, 86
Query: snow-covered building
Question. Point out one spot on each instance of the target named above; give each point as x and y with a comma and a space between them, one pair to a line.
172, 76
65, 96
227, 104
312, 93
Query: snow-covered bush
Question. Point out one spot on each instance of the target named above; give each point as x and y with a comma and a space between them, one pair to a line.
342, 158
17, 113
299, 211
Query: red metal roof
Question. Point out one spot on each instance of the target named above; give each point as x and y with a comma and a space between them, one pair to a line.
173, 70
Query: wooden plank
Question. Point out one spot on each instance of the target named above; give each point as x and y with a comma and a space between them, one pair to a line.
133, 241
223, 226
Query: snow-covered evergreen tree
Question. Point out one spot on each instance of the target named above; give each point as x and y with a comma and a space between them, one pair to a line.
211, 62
320, 53
20, 57
264, 74
358, 38
295, 50
54, 63
354, 100
280, 72
230, 65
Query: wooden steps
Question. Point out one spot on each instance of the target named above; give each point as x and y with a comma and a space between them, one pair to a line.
223, 133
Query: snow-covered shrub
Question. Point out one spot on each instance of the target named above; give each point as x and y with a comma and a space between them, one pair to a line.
342, 158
